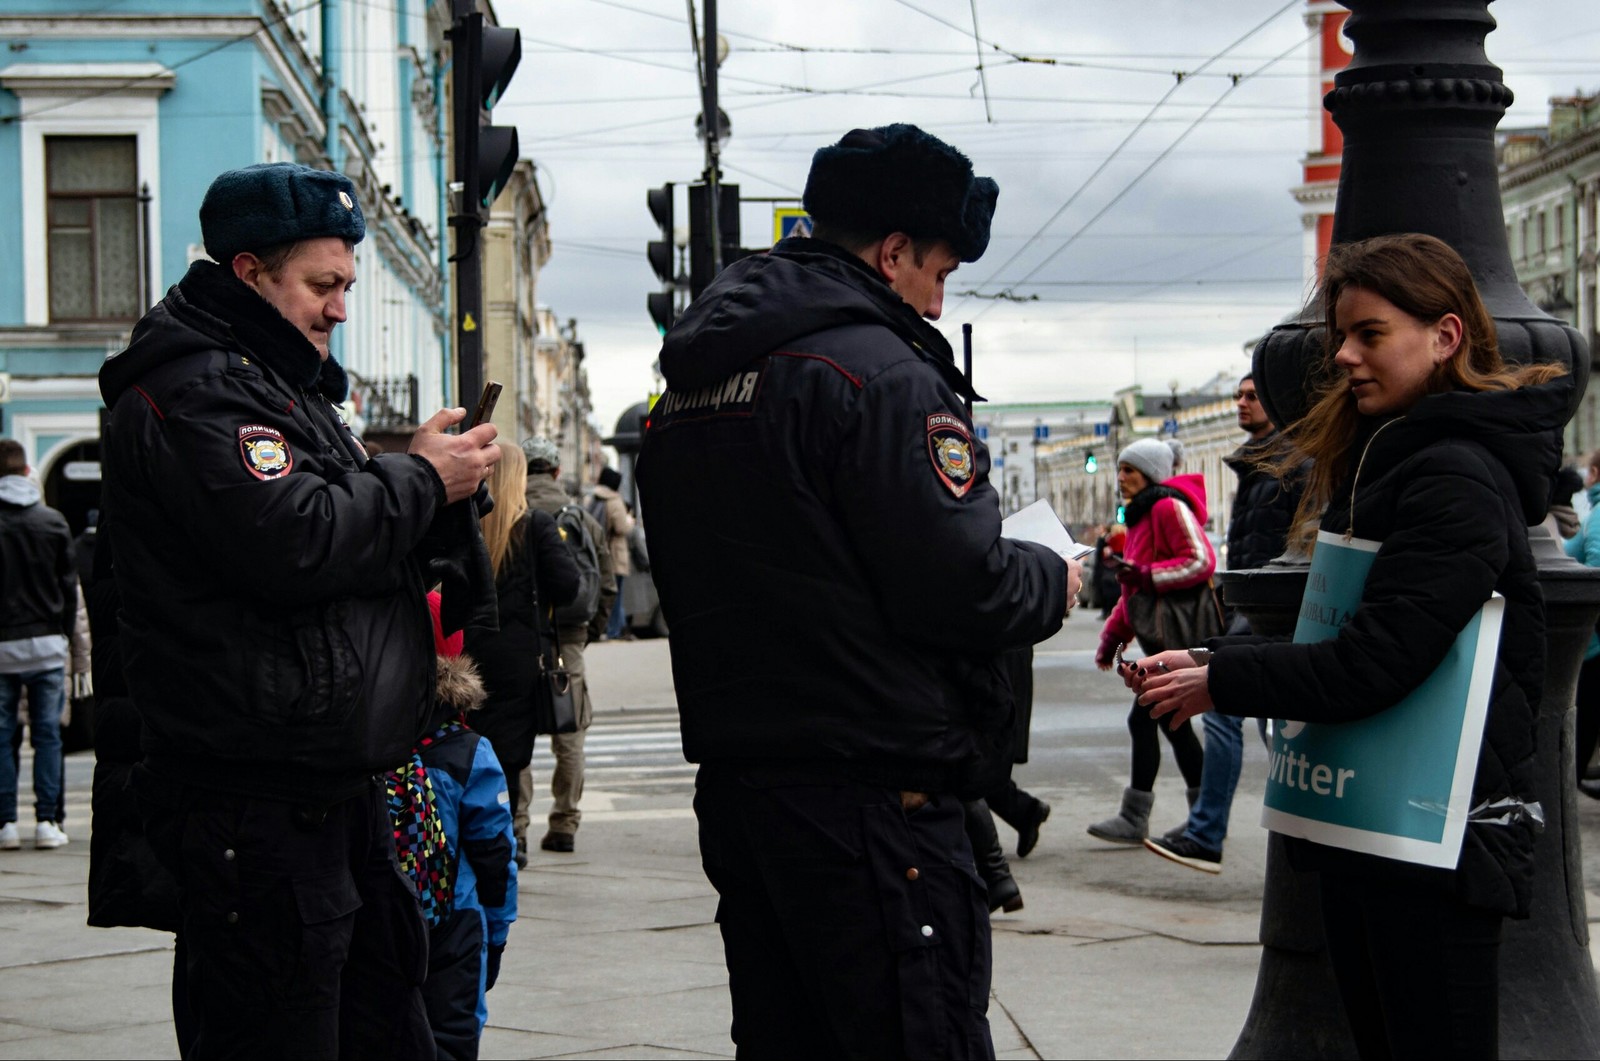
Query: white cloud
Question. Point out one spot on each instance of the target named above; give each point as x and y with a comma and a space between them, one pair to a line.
605, 100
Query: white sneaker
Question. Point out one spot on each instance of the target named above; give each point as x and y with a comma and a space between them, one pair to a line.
9, 840
48, 835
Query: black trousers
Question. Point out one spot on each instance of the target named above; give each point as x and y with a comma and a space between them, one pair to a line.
1186, 749
300, 937
1418, 970
851, 928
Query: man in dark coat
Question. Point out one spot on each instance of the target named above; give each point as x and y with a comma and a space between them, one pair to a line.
837, 631
275, 634
38, 609
1258, 528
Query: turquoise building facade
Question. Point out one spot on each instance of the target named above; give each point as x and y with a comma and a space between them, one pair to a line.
113, 124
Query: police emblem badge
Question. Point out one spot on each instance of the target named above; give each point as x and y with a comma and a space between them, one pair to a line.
266, 455
950, 449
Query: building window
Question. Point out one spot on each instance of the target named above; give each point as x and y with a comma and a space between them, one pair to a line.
92, 227
1542, 233
1522, 244
1561, 225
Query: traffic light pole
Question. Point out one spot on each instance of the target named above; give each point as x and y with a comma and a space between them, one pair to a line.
467, 220
713, 129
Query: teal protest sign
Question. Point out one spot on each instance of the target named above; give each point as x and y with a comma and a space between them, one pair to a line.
1397, 784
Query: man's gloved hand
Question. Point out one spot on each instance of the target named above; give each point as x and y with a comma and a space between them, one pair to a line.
1136, 577
82, 685
493, 971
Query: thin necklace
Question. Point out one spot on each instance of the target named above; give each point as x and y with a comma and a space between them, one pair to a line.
1350, 532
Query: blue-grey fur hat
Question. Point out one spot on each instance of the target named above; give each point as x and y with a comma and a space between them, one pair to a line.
897, 178
258, 207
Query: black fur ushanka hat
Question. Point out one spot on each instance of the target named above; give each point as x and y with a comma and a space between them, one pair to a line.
897, 178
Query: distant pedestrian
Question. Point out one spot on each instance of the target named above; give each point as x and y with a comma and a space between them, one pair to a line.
274, 636
533, 574
38, 611
618, 526
1424, 441
826, 543
1166, 551
1258, 531
576, 625
1584, 547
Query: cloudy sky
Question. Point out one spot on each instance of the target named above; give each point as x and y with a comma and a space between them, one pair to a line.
1146, 220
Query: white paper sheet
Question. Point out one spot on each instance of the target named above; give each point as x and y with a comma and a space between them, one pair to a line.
1038, 523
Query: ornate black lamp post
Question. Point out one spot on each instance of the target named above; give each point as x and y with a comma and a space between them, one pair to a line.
1418, 106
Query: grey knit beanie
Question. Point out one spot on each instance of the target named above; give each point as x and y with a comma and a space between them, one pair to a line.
1151, 456
543, 455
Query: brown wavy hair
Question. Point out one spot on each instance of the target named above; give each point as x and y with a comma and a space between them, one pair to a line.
1427, 279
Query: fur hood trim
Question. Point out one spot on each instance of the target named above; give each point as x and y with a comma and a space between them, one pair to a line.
460, 686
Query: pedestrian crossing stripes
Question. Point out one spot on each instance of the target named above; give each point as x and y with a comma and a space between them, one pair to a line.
628, 749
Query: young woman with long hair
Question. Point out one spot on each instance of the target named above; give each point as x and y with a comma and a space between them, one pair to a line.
1426, 441
533, 573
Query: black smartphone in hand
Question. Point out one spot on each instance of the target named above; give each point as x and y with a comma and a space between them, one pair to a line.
486, 404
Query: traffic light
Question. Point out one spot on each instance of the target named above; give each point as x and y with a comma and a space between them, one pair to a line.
663, 259
702, 262
484, 59
1122, 513
1090, 465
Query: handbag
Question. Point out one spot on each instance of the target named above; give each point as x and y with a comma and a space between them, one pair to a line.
555, 708
1180, 618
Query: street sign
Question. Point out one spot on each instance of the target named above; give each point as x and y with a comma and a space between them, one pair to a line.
789, 221
1170, 425
1102, 430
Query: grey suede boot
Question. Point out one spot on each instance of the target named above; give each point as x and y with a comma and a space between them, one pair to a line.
1191, 794
1132, 822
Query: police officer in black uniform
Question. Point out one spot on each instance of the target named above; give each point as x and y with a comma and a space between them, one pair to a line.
827, 547
274, 626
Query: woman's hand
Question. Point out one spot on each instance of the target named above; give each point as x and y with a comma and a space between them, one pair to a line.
1134, 674
1181, 694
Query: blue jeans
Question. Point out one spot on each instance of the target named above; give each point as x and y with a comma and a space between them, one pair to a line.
614, 625
45, 700
1219, 776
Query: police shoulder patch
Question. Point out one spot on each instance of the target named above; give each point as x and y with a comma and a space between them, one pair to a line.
266, 455
950, 449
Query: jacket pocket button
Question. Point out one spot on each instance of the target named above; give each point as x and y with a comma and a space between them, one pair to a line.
912, 874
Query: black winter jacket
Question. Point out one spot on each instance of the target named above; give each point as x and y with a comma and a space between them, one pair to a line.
1450, 490
275, 633
844, 601
38, 577
1263, 509
508, 658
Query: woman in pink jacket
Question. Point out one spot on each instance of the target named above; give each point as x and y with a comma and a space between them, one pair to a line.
1166, 550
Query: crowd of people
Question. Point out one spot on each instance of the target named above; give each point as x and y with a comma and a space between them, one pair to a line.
321, 672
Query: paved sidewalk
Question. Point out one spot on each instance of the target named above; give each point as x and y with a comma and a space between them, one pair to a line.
1117, 954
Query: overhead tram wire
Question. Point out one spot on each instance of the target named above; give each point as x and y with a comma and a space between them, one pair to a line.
1181, 137
1178, 80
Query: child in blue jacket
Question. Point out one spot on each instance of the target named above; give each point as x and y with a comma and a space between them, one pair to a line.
453, 837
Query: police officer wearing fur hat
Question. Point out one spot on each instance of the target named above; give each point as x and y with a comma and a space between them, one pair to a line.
274, 626
836, 630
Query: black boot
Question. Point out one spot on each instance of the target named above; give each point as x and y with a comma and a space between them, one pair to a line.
992, 865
